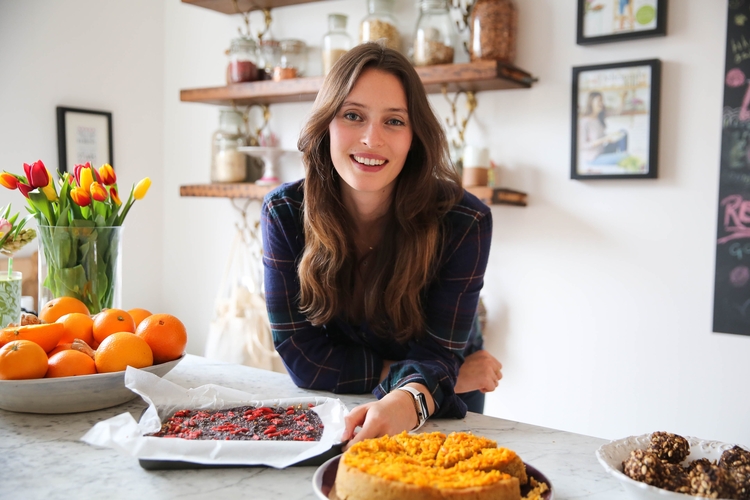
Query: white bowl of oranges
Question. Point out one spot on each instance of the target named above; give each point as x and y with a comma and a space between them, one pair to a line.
72, 362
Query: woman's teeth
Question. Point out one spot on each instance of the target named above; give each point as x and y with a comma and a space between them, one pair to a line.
369, 161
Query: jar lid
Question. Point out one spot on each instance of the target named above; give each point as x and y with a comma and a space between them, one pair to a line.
242, 44
433, 4
337, 21
292, 46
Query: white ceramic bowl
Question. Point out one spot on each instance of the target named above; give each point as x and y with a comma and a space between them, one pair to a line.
611, 456
72, 394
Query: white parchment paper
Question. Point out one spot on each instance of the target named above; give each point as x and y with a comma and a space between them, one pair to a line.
123, 433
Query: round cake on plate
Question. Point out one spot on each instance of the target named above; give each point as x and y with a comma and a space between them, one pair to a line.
429, 466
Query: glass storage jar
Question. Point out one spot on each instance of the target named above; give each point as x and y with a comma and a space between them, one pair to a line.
292, 61
493, 26
380, 23
228, 164
269, 56
243, 59
435, 37
336, 42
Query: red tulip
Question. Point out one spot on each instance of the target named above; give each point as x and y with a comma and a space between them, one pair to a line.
107, 174
80, 196
36, 174
8, 180
24, 188
115, 197
98, 192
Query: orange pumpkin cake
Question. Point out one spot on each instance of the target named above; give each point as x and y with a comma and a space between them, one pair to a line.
429, 466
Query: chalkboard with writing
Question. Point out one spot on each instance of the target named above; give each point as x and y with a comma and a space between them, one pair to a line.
732, 281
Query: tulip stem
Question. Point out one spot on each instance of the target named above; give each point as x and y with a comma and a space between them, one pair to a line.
10, 267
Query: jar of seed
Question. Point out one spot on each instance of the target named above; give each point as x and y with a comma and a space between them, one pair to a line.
435, 37
493, 26
380, 24
336, 42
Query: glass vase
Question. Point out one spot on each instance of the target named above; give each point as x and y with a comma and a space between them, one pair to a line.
81, 262
10, 298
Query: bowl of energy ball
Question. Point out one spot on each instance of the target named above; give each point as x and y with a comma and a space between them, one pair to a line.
662, 466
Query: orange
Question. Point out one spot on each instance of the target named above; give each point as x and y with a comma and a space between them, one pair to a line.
111, 321
139, 315
22, 359
45, 335
69, 364
60, 347
165, 334
61, 306
120, 350
77, 326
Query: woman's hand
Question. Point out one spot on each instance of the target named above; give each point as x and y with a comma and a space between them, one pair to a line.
390, 415
480, 371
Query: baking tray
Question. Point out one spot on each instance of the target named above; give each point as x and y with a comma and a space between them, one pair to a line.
178, 465
151, 464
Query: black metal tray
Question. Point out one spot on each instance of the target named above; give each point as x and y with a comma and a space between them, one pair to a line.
149, 464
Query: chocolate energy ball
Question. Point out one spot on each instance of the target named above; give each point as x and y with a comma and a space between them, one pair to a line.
711, 482
669, 447
675, 478
703, 462
645, 467
734, 457
741, 477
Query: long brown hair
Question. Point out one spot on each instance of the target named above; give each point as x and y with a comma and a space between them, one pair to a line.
427, 187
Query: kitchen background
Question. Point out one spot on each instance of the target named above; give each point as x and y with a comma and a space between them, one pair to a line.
599, 293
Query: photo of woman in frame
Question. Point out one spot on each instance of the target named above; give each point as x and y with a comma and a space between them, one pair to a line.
615, 120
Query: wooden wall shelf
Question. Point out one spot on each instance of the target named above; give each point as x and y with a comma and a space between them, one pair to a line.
248, 190
227, 7
475, 76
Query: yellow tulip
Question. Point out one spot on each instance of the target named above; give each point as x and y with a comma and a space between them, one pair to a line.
87, 178
142, 188
49, 190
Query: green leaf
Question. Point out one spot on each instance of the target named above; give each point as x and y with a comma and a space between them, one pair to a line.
42, 204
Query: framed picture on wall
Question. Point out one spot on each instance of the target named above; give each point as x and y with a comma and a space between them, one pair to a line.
83, 135
601, 21
615, 127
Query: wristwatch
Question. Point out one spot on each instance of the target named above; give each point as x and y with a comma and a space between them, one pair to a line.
420, 405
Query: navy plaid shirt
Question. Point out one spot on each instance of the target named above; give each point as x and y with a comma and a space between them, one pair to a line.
344, 358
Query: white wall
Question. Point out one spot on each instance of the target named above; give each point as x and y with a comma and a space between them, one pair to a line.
599, 292
104, 55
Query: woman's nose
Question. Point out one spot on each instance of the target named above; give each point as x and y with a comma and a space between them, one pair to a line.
373, 135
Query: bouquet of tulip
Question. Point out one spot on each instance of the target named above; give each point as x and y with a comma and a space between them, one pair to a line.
79, 220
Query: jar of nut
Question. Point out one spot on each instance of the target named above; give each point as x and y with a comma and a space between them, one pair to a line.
493, 27
380, 23
435, 37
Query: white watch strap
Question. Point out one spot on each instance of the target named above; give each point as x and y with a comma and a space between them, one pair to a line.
420, 405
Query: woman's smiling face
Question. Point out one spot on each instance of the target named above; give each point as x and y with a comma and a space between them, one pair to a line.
371, 134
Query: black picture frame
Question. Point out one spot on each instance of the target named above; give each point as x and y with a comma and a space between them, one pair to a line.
83, 135
624, 143
636, 18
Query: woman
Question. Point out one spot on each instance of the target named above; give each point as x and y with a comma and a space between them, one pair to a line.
596, 146
374, 262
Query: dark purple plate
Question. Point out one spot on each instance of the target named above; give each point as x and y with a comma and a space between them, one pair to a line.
326, 475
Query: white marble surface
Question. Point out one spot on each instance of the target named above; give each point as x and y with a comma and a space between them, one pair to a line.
41, 456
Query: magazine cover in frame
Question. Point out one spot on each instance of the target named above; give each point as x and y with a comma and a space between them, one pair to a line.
601, 21
615, 120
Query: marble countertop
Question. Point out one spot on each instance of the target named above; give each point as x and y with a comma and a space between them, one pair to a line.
42, 457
